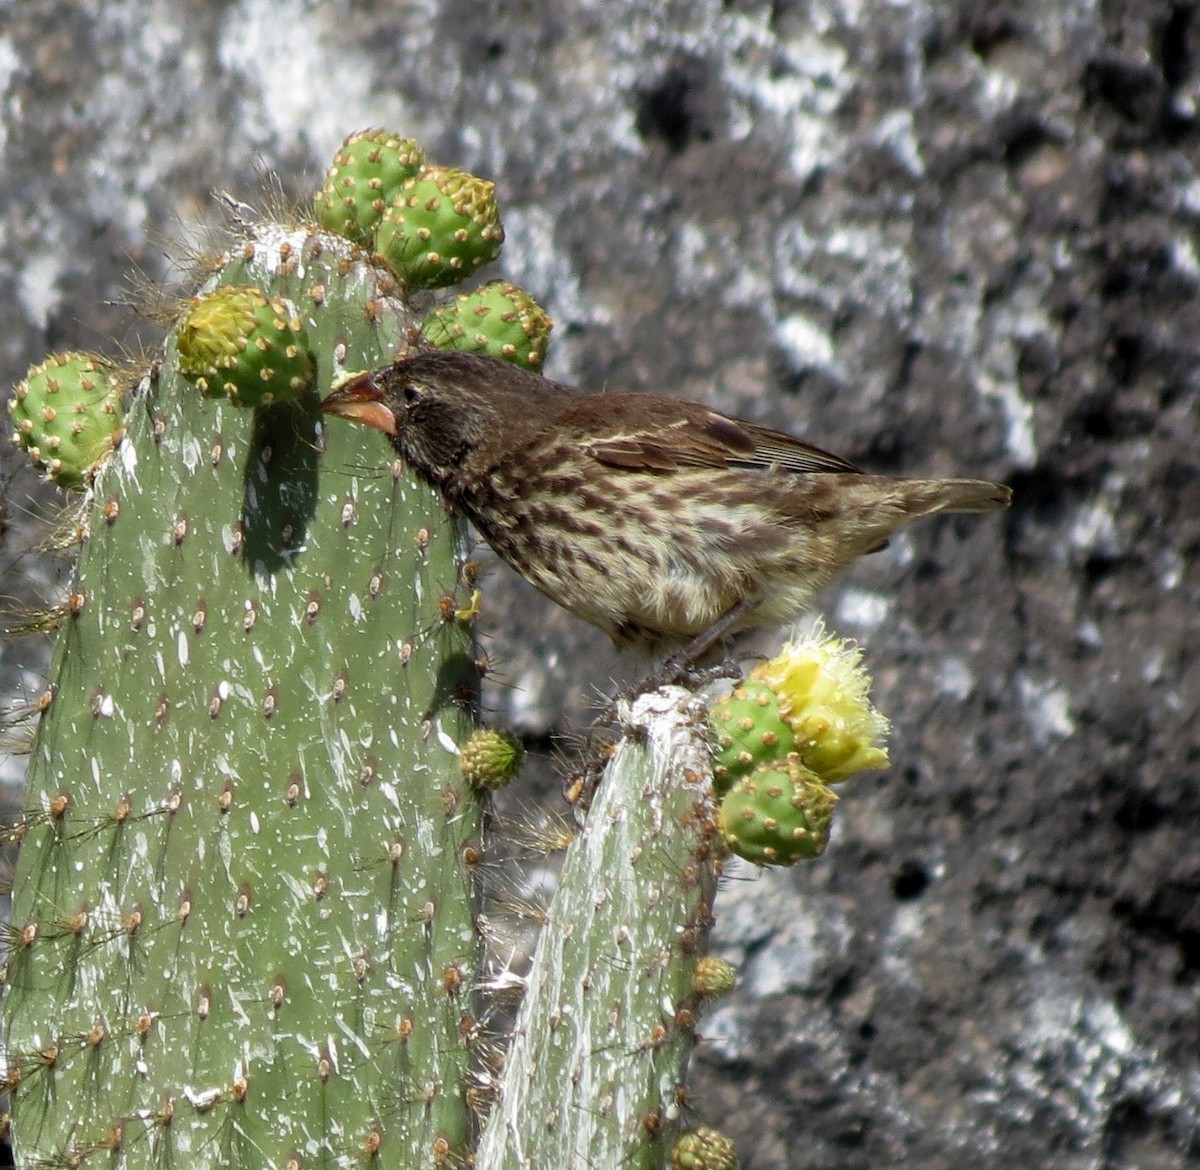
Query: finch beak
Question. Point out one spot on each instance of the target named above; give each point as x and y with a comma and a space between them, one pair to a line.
361, 401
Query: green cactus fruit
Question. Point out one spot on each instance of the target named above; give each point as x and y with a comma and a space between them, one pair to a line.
749, 729
777, 814
67, 415
239, 346
703, 1148
712, 977
500, 319
365, 174
490, 759
441, 227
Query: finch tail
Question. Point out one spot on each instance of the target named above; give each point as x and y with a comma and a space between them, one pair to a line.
923, 496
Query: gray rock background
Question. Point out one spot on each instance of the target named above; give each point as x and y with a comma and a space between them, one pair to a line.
935, 237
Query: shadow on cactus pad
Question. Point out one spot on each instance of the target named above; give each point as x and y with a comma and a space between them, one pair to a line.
280, 483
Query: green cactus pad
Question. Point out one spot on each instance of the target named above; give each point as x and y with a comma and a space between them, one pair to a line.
365, 174
500, 319
239, 346
749, 729
703, 1148
67, 414
490, 759
777, 814
441, 227
245, 884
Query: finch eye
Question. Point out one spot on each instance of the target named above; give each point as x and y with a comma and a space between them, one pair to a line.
411, 394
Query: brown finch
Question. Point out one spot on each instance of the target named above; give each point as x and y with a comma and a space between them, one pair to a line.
660, 521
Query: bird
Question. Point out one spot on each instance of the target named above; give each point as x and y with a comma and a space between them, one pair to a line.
662, 522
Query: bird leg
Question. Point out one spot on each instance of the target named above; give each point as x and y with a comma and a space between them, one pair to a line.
680, 668
681, 665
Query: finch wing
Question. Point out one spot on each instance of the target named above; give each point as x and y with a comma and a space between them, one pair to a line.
686, 435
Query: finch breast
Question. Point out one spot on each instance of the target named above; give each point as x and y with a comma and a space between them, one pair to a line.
650, 559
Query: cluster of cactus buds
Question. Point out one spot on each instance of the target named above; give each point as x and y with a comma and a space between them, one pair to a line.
433, 225
799, 723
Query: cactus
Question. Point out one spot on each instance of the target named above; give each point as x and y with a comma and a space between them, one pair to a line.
245, 887
67, 414
500, 319
440, 227
244, 925
595, 1074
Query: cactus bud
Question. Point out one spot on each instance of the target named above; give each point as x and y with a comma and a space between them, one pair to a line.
749, 729
712, 977
703, 1148
67, 414
441, 227
777, 814
366, 173
490, 759
236, 344
500, 319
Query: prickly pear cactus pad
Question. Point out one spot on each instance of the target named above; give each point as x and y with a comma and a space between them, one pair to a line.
244, 904
595, 1074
